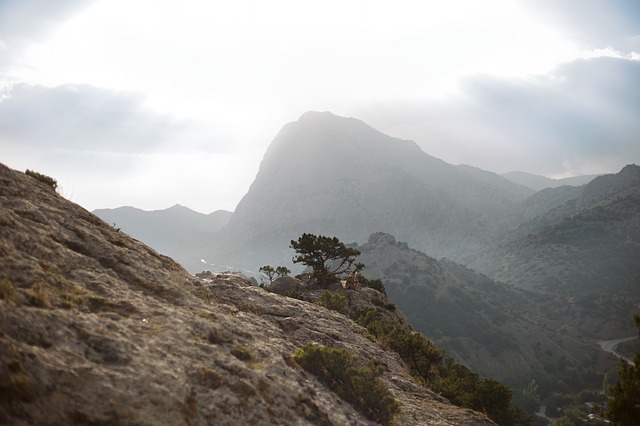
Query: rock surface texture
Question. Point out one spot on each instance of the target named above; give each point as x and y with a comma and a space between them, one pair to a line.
96, 328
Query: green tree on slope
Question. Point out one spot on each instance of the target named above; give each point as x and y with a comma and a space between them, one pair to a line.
623, 407
326, 255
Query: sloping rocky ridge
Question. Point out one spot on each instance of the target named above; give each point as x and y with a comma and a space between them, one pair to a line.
337, 176
96, 328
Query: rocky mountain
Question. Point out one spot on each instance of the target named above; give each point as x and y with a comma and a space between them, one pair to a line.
495, 329
97, 328
518, 191
589, 244
544, 201
337, 176
163, 229
537, 182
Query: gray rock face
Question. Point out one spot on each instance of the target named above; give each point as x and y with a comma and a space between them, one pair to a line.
97, 328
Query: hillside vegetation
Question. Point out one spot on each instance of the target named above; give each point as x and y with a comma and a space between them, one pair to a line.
493, 328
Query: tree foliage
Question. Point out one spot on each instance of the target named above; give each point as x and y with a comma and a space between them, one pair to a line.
327, 256
375, 284
530, 397
623, 407
272, 273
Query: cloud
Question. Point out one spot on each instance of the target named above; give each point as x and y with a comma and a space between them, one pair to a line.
27, 21
586, 108
87, 118
580, 119
107, 149
596, 23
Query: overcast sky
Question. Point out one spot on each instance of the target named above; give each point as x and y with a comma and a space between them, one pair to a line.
151, 103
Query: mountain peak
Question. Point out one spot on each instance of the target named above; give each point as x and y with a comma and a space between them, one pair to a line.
178, 207
630, 170
317, 115
607, 185
339, 176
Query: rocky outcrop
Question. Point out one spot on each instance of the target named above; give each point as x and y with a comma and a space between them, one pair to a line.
282, 285
97, 328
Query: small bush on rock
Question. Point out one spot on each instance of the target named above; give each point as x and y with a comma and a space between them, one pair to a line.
418, 352
360, 386
334, 301
294, 294
42, 178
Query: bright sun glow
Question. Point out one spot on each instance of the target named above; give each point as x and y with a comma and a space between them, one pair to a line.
203, 59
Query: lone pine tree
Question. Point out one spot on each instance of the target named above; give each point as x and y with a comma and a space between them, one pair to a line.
327, 256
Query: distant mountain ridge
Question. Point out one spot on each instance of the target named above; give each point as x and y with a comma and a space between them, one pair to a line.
163, 229
537, 182
494, 328
590, 243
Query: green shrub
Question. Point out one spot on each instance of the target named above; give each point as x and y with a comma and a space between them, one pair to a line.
380, 303
334, 301
467, 389
294, 294
42, 178
339, 370
375, 284
418, 352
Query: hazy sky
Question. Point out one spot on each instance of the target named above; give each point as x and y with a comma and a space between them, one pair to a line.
151, 103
